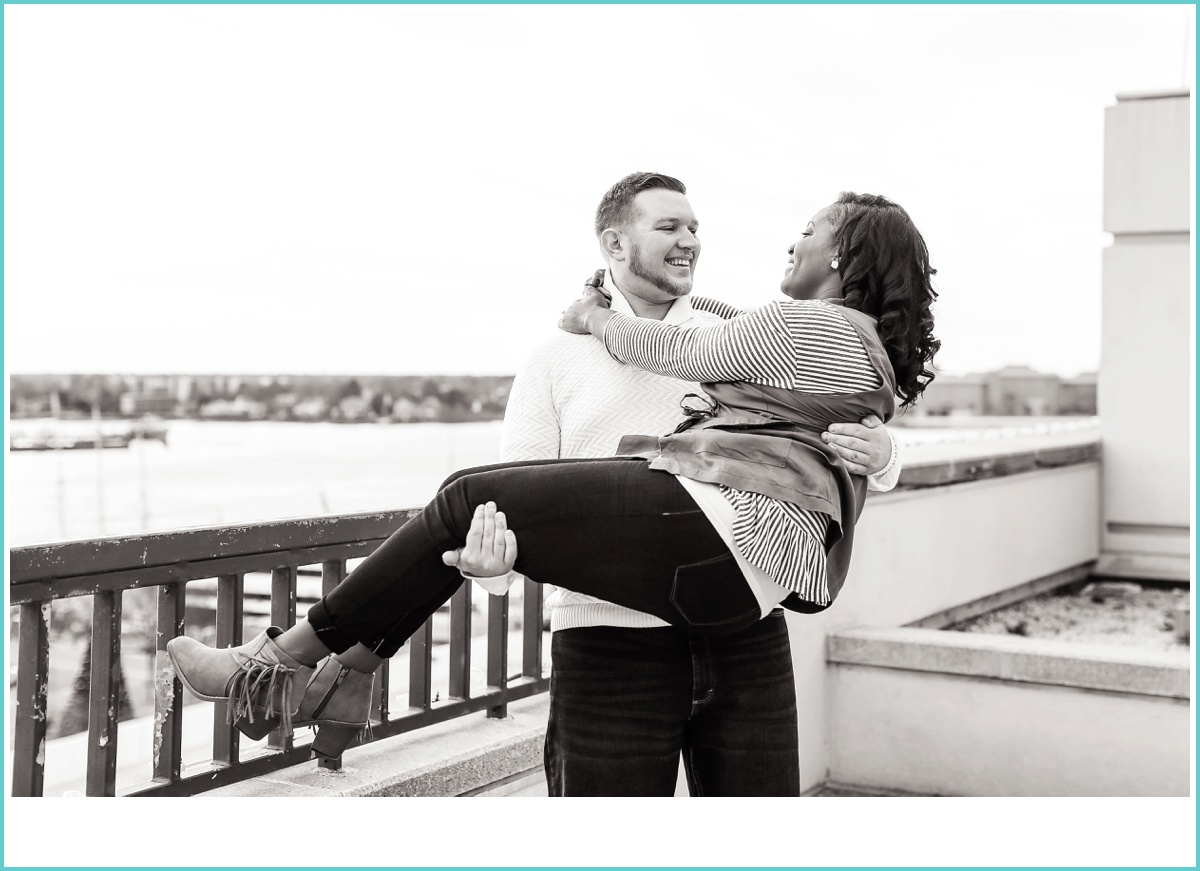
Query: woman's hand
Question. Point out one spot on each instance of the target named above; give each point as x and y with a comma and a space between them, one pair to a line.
597, 281
580, 316
491, 548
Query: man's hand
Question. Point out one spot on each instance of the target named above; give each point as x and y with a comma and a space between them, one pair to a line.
491, 547
865, 447
580, 315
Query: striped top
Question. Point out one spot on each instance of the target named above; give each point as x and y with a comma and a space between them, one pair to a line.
806, 346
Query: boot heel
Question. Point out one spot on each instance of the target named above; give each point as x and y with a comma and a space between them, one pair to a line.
259, 729
333, 739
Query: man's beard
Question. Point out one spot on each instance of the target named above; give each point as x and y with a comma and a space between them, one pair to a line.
663, 282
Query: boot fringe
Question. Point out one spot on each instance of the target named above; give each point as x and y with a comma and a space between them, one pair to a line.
248, 685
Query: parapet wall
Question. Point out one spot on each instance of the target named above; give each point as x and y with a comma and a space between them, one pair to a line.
921, 550
953, 713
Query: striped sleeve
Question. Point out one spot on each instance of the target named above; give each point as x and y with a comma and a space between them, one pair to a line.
723, 310
830, 357
797, 345
755, 347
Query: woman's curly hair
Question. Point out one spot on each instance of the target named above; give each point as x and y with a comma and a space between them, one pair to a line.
885, 272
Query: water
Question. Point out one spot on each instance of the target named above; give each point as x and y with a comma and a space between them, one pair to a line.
213, 473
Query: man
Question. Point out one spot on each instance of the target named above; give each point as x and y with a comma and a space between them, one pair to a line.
629, 694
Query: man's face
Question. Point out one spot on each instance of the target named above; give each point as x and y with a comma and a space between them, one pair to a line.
663, 247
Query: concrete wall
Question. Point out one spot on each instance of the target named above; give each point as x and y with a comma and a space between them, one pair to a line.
919, 552
950, 713
1144, 391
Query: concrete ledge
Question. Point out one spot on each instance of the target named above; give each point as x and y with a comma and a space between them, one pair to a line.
1144, 566
1013, 658
938, 464
460, 756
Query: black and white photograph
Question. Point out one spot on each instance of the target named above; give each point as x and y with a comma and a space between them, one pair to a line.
376, 430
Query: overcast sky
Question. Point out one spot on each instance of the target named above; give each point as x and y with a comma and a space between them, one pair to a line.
406, 189
402, 189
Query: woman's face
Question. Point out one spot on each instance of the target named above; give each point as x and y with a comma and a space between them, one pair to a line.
809, 272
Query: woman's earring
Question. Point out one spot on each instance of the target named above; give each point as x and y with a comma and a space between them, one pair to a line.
833, 264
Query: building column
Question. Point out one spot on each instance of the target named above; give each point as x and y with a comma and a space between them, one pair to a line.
1145, 386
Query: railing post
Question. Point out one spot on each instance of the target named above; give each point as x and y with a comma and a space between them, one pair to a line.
283, 614
497, 646
382, 685
379, 692
168, 691
333, 572
230, 604
460, 642
104, 699
531, 652
420, 667
283, 597
33, 671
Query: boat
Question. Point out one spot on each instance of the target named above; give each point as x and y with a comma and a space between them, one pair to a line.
149, 426
70, 433
51, 441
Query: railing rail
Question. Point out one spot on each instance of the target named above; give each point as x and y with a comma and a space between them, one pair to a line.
106, 568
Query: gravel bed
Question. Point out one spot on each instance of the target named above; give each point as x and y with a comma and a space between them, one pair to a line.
1119, 613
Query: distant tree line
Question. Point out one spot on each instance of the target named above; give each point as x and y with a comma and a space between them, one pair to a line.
263, 397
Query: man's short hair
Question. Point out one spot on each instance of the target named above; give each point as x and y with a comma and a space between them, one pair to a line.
616, 207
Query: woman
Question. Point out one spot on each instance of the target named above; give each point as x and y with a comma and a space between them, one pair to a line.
755, 509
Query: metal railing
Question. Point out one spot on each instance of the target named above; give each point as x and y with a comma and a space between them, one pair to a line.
104, 568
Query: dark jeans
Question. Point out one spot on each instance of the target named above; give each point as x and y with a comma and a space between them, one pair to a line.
624, 703
618, 529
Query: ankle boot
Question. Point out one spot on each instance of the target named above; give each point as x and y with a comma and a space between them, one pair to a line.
338, 701
256, 679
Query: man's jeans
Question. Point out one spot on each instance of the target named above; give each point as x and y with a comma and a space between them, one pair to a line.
624, 703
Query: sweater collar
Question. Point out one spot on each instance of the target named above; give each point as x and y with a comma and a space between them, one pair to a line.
680, 311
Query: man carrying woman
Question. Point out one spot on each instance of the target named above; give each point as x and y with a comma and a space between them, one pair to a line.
742, 508
630, 695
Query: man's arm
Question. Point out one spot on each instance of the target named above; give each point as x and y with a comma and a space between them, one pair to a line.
531, 432
867, 448
531, 426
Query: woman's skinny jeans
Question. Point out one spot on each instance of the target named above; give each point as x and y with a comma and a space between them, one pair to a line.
612, 528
